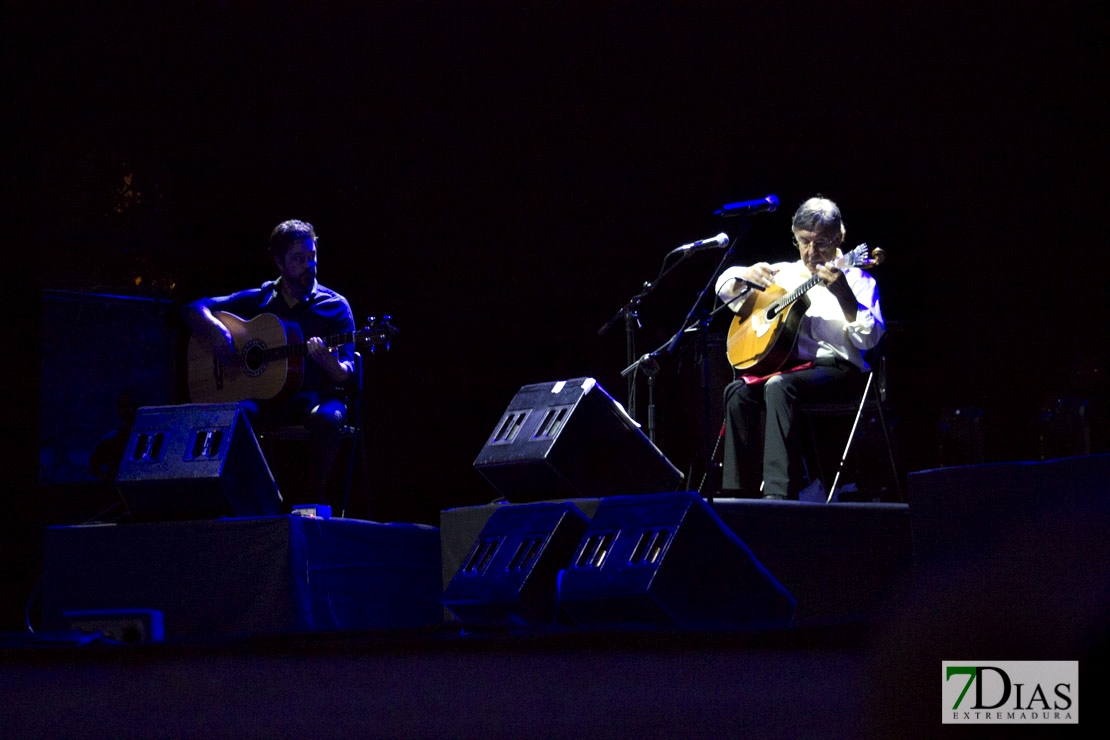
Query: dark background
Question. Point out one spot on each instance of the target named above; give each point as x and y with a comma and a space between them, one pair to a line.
502, 177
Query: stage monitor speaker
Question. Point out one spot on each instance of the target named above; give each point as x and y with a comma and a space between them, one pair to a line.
511, 573
570, 439
668, 560
195, 461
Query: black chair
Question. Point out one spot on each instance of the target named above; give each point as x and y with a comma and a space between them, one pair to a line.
350, 434
871, 408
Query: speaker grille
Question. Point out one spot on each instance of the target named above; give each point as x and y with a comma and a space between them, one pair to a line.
195, 461
668, 559
511, 571
570, 439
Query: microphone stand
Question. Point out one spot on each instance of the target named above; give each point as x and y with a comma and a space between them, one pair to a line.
697, 320
630, 313
650, 368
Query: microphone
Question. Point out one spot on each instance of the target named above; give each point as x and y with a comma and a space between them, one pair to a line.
748, 207
717, 242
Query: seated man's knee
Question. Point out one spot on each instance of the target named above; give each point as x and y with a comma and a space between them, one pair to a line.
327, 416
738, 395
779, 387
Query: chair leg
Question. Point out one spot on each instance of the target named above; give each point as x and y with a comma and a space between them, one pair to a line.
712, 461
886, 437
851, 437
358, 444
889, 450
350, 474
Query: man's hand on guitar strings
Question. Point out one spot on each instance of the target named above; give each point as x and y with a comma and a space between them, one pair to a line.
320, 354
221, 342
829, 273
833, 279
759, 275
318, 351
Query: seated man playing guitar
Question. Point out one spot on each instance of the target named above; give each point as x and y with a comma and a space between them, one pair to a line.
811, 351
236, 357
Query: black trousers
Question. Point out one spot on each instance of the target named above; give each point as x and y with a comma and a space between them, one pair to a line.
777, 463
323, 414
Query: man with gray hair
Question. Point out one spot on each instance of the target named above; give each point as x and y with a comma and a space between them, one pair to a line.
825, 364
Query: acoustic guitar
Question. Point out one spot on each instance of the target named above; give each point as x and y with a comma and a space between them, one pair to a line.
271, 355
763, 333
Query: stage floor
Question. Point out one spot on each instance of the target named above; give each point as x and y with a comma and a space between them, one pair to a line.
444, 683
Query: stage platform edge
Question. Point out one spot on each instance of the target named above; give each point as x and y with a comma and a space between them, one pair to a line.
247, 576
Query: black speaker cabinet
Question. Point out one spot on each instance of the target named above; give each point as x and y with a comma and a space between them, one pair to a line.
195, 461
669, 560
510, 574
570, 439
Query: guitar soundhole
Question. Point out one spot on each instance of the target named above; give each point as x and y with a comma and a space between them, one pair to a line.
254, 358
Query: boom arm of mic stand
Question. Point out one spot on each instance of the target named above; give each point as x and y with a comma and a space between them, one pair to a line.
628, 313
649, 286
628, 309
689, 321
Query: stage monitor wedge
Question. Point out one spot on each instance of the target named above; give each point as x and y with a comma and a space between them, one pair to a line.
571, 439
510, 575
667, 560
195, 461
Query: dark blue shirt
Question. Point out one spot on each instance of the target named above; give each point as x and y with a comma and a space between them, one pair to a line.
324, 313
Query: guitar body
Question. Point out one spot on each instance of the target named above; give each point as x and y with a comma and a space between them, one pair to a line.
257, 374
759, 345
765, 329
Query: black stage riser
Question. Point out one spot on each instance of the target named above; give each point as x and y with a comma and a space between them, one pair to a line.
247, 576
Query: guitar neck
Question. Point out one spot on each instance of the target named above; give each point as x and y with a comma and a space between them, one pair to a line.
334, 340
299, 349
788, 300
852, 259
